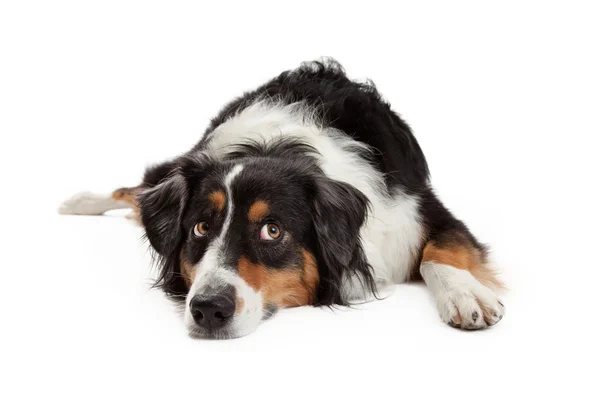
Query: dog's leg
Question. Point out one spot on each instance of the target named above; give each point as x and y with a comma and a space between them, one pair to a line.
87, 203
454, 266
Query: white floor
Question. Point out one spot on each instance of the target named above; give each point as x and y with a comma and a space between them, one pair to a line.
83, 321
503, 99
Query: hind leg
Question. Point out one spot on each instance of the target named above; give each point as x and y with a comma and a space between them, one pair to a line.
86, 203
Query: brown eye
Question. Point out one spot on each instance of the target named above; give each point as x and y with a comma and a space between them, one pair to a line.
201, 229
270, 232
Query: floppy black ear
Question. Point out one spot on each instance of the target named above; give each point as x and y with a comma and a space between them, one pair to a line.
340, 211
161, 211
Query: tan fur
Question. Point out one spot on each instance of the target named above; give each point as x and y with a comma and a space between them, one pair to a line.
187, 270
488, 276
463, 256
311, 272
258, 210
129, 196
217, 199
289, 287
459, 256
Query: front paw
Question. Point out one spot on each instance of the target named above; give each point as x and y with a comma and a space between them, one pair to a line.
462, 301
472, 306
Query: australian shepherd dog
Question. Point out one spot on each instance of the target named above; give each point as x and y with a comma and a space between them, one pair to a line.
309, 190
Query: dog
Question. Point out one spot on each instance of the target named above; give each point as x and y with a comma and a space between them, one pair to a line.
309, 190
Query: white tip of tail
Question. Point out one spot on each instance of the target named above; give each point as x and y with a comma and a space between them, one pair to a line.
86, 203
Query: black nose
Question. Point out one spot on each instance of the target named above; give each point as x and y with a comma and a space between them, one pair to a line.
212, 312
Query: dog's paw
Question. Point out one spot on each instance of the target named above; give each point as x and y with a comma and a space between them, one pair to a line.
462, 301
473, 306
86, 203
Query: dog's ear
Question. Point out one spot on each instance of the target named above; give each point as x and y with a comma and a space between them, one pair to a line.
162, 204
161, 211
339, 212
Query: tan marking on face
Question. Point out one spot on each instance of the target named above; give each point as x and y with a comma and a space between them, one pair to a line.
289, 287
217, 199
465, 257
258, 210
311, 273
239, 305
187, 270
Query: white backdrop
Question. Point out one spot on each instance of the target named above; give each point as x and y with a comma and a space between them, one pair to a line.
504, 99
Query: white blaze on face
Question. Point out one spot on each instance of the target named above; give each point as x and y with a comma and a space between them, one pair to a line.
228, 181
211, 275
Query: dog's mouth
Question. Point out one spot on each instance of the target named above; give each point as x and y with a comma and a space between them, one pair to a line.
197, 332
233, 330
237, 326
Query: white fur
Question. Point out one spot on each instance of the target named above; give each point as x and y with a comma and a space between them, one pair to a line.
228, 181
460, 298
211, 276
392, 234
86, 203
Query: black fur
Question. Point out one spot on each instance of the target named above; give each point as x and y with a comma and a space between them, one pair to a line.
354, 108
321, 215
162, 205
443, 228
340, 211
326, 215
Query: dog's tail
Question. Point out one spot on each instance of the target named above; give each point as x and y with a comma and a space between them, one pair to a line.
86, 203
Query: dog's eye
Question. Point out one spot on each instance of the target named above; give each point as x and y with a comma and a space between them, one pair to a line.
201, 229
270, 232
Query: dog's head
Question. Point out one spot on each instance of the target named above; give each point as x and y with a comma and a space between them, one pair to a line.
246, 235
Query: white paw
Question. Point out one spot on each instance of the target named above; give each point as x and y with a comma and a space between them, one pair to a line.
86, 203
476, 307
462, 301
